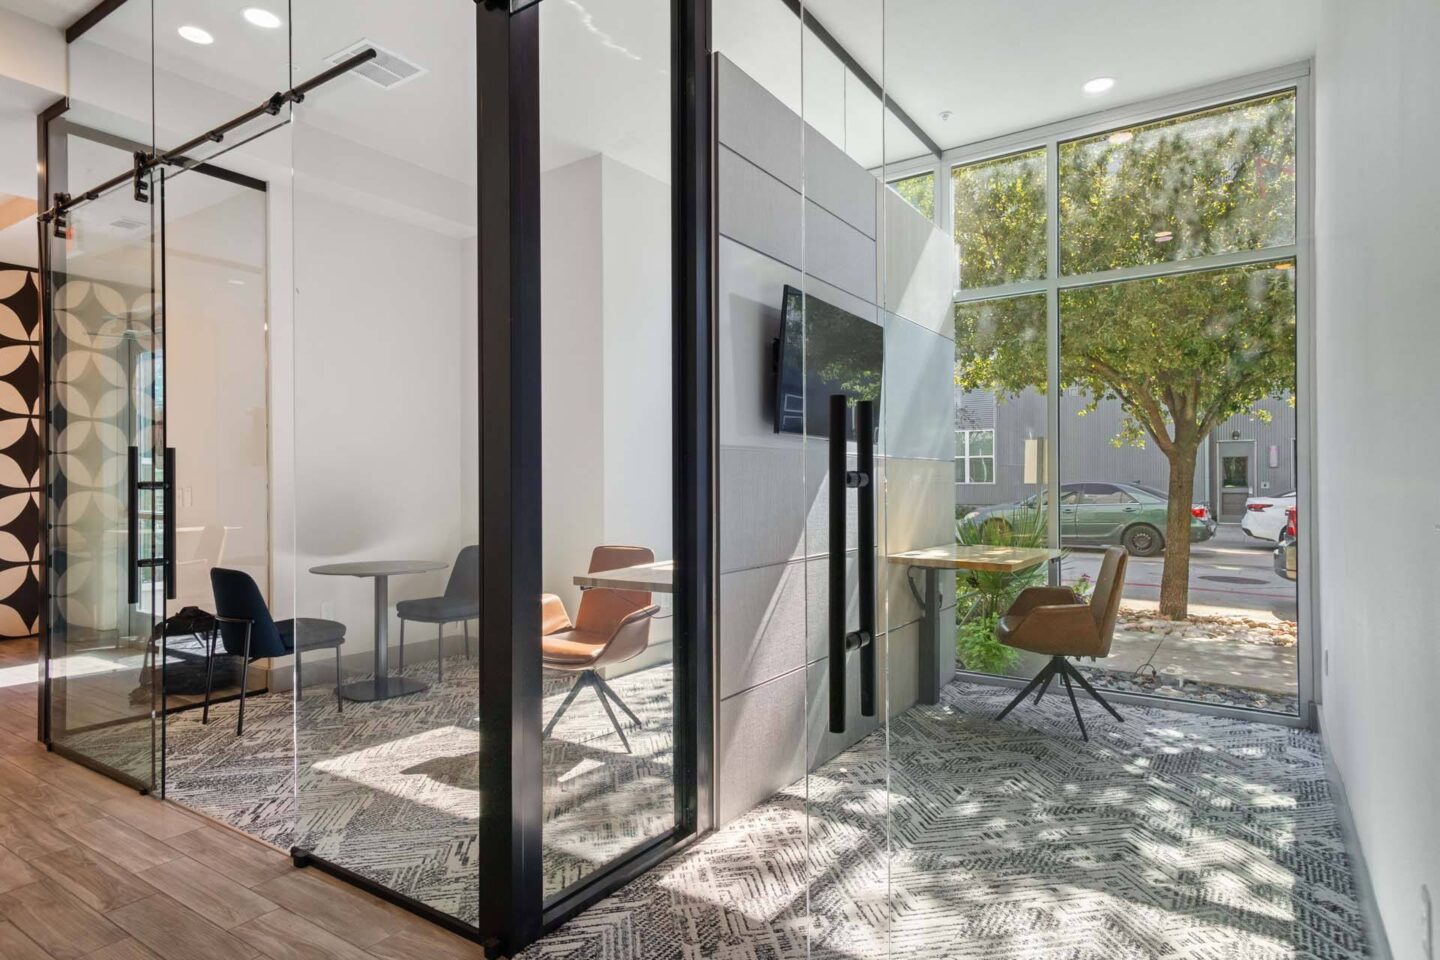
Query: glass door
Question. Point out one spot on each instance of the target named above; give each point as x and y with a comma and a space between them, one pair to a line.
107, 473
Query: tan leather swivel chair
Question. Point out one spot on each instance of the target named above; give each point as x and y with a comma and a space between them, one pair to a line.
611, 626
1053, 620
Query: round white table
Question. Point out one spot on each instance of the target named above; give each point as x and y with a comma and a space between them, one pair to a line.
384, 686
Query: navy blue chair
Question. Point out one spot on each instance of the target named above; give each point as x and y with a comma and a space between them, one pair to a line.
460, 604
246, 630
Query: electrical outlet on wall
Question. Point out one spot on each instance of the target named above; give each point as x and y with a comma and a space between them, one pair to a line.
1427, 925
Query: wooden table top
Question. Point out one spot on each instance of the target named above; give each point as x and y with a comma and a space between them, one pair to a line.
956, 556
657, 577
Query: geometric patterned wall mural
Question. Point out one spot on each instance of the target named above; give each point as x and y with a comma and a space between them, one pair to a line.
20, 452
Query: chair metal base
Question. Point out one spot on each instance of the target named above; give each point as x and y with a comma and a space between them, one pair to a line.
589, 678
1062, 667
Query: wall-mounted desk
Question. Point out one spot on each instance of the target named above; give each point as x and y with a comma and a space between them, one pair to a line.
657, 577
937, 644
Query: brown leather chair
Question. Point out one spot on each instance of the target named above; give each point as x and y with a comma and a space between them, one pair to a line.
611, 626
1053, 620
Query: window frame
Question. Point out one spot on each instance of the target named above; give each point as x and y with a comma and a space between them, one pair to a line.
965, 457
1295, 77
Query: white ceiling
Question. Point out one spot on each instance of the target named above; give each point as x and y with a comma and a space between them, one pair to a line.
52, 13
996, 65
999, 66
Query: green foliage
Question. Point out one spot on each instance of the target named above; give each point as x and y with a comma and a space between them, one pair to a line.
993, 592
919, 192
1180, 353
1196, 185
979, 650
1000, 219
982, 597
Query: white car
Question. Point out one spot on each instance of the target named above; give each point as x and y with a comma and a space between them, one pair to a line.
1265, 516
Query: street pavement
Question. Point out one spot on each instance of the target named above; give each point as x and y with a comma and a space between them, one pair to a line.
1229, 572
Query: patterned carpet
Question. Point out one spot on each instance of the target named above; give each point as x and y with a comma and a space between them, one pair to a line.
390, 789
1169, 836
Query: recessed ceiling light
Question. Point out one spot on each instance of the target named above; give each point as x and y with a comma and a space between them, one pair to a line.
196, 35
945, 115
262, 18
1098, 85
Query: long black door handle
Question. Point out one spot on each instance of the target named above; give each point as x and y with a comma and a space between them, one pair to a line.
839, 408
865, 466
132, 528
164, 508
167, 517
841, 480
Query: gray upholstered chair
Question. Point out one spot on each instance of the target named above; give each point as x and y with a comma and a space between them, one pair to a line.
1055, 621
459, 604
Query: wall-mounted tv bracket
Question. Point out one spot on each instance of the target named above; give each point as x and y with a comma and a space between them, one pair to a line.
144, 162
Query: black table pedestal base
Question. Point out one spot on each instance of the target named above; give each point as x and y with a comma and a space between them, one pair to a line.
385, 688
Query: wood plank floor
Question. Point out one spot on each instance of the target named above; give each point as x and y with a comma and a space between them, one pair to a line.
89, 870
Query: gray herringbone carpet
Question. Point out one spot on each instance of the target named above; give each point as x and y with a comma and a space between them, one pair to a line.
390, 790
1169, 836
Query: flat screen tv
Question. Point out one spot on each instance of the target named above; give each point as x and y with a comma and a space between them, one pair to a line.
839, 353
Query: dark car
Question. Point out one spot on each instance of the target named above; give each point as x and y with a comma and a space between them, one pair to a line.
1098, 514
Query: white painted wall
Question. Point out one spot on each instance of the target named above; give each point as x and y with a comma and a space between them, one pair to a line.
378, 369
1378, 337
605, 366
572, 442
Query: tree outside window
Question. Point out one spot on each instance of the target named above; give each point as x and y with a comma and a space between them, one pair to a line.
1181, 351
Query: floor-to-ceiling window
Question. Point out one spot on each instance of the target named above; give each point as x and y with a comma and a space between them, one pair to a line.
1129, 292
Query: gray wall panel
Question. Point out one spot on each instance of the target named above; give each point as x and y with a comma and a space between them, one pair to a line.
762, 633
756, 125
761, 743
758, 210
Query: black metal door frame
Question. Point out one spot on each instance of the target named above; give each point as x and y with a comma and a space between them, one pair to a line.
508, 59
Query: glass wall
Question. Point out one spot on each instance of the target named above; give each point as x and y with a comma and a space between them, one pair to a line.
1174, 303
609, 700
383, 433
106, 455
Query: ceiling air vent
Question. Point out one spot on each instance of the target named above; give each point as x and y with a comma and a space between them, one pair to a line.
388, 69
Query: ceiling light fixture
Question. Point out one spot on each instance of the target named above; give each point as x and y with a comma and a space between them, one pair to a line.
261, 18
196, 35
1098, 85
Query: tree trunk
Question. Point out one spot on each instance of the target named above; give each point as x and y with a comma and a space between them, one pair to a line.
1175, 576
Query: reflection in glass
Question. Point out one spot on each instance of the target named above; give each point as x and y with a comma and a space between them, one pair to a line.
1000, 219
1202, 184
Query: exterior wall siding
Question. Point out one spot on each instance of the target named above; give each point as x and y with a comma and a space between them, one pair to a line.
1088, 450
